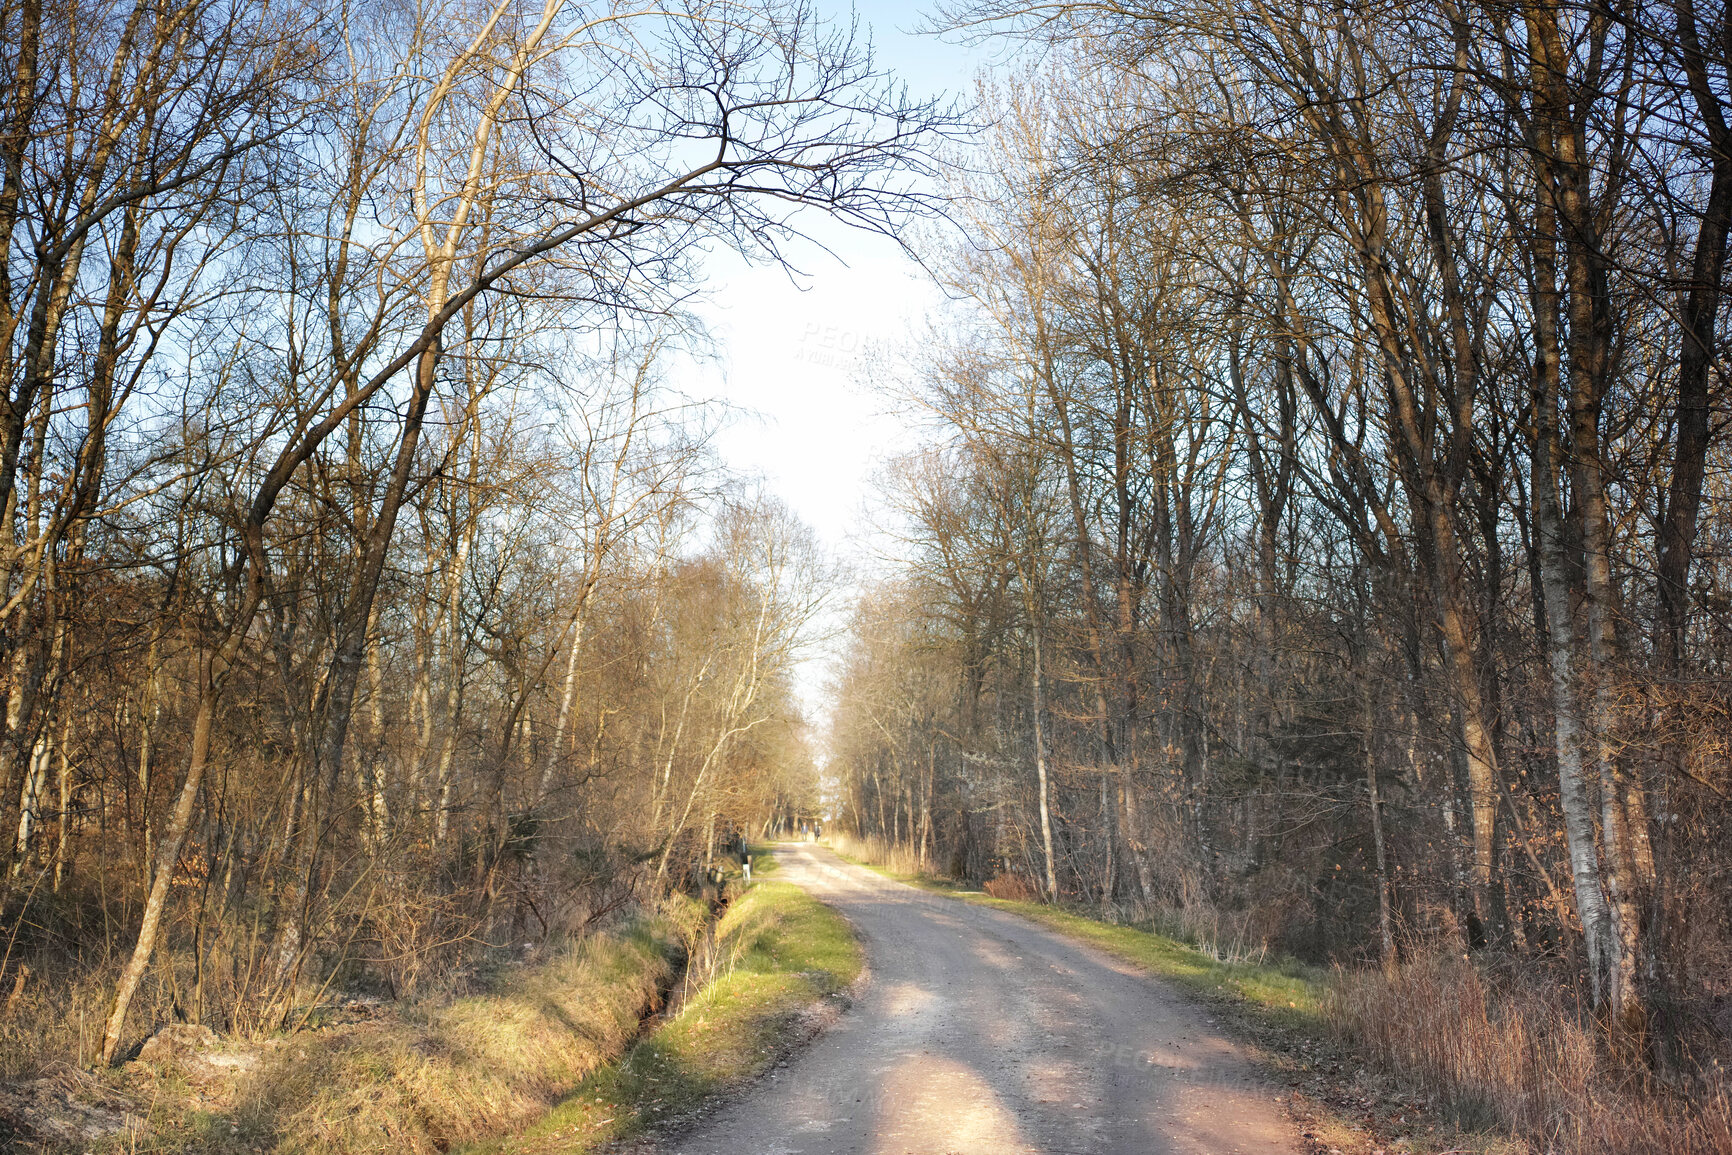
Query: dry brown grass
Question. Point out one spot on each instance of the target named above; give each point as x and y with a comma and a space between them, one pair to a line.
418, 1077
1228, 937
478, 1066
1520, 1055
779, 952
57, 1022
881, 852
1011, 887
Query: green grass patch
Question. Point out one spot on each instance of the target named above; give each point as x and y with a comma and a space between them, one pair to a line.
777, 951
1288, 993
763, 862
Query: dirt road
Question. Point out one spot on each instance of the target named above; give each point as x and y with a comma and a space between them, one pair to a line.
978, 1032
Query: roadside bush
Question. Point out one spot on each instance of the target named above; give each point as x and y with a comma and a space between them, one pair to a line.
876, 851
1013, 887
1517, 1052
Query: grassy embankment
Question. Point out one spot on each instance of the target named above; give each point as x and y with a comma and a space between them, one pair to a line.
553, 1059
776, 952
423, 1078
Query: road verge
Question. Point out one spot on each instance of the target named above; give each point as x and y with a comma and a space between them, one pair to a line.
412, 1077
779, 957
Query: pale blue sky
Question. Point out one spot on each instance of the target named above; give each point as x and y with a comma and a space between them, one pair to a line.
796, 355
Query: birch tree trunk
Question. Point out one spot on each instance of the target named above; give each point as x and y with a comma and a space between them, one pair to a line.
1039, 708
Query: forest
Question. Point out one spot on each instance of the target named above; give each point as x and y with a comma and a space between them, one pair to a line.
1323, 546
1320, 543
372, 600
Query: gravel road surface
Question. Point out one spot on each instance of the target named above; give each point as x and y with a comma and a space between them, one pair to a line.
979, 1032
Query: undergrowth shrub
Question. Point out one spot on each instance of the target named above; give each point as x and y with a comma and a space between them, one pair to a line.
876, 851
1225, 936
1011, 886
1518, 1052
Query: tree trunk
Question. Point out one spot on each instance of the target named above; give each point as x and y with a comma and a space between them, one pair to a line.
168, 858
1040, 772
342, 680
1561, 635
1385, 919
1696, 349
